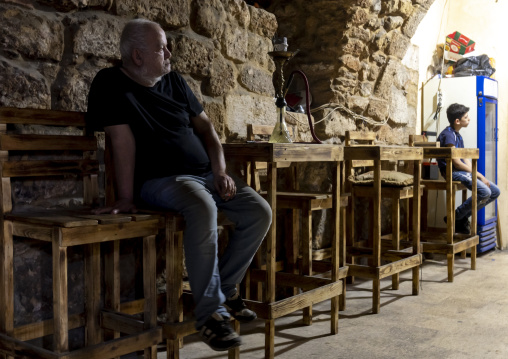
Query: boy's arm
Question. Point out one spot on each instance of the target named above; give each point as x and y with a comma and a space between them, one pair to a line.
465, 165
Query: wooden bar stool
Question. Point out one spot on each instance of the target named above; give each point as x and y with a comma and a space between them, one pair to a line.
449, 242
399, 259
300, 256
39, 157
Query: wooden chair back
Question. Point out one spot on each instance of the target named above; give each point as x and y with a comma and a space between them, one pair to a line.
41, 144
359, 138
421, 141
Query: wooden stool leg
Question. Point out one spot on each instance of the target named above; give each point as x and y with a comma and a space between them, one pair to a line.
7, 282
395, 236
60, 296
149, 289
112, 282
93, 293
269, 338
450, 261
342, 256
174, 285
235, 352
306, 244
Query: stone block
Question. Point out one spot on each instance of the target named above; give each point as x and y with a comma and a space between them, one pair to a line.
222, 77
23, 87
413, 21
208, 18
366, 88
192, 56
360, 17
424, 3
31, 34
358, 103
393, 22
71, 93
398, 106
335, 125
216, 113
378, 109
353, 46
98, 36
399, 44
359, 33
169, 14
243, 109
239, 10
235, 42
390, 6
406, 7
256, 80
351, 62
258, 49
262, 22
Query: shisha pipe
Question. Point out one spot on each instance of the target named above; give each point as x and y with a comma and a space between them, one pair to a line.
307, 100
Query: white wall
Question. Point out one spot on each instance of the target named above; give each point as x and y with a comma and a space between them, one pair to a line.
484, 21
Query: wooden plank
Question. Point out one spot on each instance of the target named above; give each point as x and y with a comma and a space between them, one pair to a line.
107, 218
178, 330
92, 264
45, 327
47, 143
118, 347
60, 296
399, 266
363, 271
120, 322
49, 168
108, 232
16, 348
289, 305
306, 282
27, 230
48, 218
42, 117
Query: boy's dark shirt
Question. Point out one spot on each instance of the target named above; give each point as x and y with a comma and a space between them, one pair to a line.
448, 137
159, 118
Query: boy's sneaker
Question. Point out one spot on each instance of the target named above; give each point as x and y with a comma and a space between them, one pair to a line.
463, 226
239, 310
218, 334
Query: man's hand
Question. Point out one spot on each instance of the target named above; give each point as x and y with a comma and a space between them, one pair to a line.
121, 206
224, 185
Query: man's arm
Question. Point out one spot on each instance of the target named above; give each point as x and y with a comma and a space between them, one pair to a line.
204, 129
124, 151
466, 167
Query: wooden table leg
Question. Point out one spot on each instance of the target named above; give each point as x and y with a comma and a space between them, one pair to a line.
306, 245
450, 212
416, 223
7, 281
334, 320
395, 235
60, 296
474, 213
149, 289
270, 258
93, 293
376, 260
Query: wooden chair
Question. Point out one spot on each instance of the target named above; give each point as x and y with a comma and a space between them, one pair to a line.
172, 226
433, 239
299, 252
391, 249
25, 156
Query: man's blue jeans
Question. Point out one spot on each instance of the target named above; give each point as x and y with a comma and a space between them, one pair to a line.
485, 194
195, 197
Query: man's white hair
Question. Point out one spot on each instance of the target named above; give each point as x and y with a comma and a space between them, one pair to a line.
134, 37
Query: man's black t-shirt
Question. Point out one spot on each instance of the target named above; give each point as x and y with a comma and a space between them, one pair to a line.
159, 118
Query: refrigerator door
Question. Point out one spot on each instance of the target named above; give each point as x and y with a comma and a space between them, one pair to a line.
487, 109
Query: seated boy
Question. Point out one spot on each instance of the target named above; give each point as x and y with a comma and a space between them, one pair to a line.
486, 191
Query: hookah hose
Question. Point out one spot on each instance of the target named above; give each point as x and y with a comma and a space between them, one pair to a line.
307, 101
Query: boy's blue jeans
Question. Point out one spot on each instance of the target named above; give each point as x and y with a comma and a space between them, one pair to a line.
195, 197
485, 194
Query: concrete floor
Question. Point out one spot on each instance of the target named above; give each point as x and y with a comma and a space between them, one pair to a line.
464, 319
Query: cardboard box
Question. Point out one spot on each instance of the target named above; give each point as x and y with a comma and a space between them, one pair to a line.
459, 44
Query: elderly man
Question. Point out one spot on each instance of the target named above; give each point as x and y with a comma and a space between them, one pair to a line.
167, 154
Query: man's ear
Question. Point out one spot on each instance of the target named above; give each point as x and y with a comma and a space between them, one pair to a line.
136, 57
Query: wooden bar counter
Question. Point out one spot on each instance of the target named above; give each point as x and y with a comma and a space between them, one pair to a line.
316, 289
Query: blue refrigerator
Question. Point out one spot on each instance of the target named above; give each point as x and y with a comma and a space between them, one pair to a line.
480, 94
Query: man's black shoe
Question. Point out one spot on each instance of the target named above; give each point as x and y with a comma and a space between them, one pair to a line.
239, 310
218, 334
463, 226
